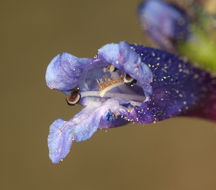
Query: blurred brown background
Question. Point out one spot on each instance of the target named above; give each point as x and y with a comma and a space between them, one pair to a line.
177, 154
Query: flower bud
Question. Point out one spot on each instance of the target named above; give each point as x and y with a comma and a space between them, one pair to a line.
165, 23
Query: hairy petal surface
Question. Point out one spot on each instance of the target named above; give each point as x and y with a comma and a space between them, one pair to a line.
177, 85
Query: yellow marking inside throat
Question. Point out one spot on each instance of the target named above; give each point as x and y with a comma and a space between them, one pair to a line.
108, 84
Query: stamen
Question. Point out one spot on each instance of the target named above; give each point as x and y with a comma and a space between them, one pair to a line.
121, 96
110, 68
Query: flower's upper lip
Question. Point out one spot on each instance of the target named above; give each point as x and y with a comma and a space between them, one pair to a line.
66, 72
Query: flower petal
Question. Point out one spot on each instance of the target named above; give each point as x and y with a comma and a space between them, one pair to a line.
80, 128
62, 133
59, 140
64, 71
177, 85
123, 57
164, 22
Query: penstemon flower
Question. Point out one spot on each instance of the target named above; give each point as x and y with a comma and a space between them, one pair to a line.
125, 83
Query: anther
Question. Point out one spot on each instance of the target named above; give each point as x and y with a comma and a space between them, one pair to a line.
128, 80
74, 97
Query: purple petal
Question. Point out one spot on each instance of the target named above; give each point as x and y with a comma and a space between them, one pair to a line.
123, 56
164, 22
80, 128
64, 71
59, 140
177, 86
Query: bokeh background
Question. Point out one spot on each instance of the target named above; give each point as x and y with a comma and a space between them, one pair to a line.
177, 154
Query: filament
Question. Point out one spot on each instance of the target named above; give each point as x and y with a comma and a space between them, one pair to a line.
113, 95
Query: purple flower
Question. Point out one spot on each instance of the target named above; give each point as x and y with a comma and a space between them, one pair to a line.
122, 83
166, 23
